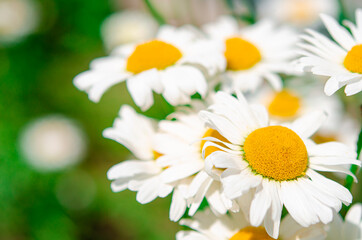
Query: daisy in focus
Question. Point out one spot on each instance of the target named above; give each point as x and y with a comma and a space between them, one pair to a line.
339, 60
298, 13
207, 226
172, 65
142, 174
348, 229
179, 143
276, 165
250, 57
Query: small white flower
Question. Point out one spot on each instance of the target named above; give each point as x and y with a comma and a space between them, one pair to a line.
168, 65
18, 18
350, 228
298, 13
340, 60
253, 53
180, 144
207, 226
276, 164
127, 27
142, 174
52, 143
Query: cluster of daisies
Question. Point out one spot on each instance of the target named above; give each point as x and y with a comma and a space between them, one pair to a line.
245, 141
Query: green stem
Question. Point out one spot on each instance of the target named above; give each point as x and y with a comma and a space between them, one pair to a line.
342, 12
250, 17
155, 13
349, 180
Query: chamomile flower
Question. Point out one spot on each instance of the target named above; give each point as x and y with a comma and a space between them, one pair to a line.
350, 228
235, 226
250, 57
127, 27
340, 60
276, 164
180, 144
298, 13
168, 65
141, 174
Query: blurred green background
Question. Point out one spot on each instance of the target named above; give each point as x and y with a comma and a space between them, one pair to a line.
36, 80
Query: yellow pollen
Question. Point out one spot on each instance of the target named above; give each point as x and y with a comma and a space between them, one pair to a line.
156, 154
323, 138
153, 54
212, 133
252, 233
284, 104
276, 152
353, 60
241, 54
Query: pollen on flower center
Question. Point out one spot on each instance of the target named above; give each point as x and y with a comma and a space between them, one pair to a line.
252, 233
284, 104
153, 54
276, 152
241, 54
353, 60
211, 133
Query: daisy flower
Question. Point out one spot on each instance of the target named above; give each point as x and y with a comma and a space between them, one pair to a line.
141, 174
127, 27
207, 226
298, 13
180, 144
169, 65
277, 165
350, 228
250, 58
339, 60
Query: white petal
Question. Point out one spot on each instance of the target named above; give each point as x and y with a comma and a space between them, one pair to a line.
307, 125
178, 205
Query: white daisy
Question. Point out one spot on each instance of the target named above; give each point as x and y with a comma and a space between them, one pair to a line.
340, 60
127, 27
207, 226
18, 18
180, 144
250, 57
52, 143
142, 174
299, 13
165, 65
277, 164
350, 228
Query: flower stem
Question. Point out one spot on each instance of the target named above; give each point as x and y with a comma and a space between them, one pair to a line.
250, 17
342, 12
155, 13
349, 180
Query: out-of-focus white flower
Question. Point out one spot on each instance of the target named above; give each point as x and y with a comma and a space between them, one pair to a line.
166, 65
235, 226
350, 228
18, 18
340, 60
298, 13
300, 97
180, 144
127, 27
276, 165
52, 143
136, 132
253, 53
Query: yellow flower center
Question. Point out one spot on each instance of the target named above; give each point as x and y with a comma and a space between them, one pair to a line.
153, 54
156, 154
323, 138
241, 54
276, 152
284, 104
212, 133
353, 60
252, 233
